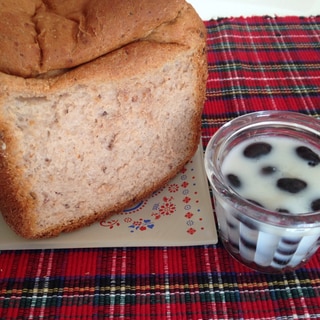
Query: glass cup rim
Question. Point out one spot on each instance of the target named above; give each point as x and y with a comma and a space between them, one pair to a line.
220, 186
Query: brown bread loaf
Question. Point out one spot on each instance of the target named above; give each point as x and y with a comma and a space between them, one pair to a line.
100, 105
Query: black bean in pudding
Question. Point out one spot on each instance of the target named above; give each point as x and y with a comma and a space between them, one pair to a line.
256, 150
315, 205
268, 170
255, 202
307, 154
234, 180
292, 185
283, 210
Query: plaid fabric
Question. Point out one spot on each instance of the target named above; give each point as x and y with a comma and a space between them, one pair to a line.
255, 63
261, 63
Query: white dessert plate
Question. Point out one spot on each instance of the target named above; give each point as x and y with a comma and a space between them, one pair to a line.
180, 214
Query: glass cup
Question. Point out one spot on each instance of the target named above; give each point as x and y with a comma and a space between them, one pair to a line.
262, 239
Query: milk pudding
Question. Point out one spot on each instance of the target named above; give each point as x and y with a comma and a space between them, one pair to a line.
278, 173
264, 169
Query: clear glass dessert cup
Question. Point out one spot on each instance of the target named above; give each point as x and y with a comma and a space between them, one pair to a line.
262, 239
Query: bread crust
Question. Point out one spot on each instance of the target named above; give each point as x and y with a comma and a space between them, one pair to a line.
56, 34
183, 37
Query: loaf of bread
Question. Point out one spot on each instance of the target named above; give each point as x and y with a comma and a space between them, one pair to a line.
100, 105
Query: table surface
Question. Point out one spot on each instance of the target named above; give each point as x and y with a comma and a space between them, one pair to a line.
255, 63
208, 9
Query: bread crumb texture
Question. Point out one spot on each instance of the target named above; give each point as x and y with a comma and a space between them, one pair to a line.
100, 105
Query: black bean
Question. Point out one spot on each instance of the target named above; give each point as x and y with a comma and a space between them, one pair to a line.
291, 241
247, 243
286, 251
315, 205
231, 225
234, 180
234, 245
292, 185
255, 202
283, 210
307, 154
249, 223
268, 170
255, 150
281, 262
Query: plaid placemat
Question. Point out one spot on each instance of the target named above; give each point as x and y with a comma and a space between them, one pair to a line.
254, 63
261, 63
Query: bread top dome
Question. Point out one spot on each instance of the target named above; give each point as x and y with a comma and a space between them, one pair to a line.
38, 37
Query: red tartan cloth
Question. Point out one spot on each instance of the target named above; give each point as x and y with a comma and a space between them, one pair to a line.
254, 64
